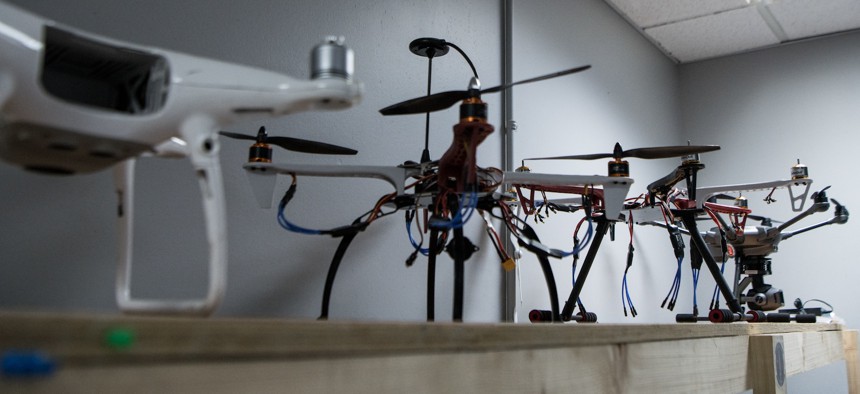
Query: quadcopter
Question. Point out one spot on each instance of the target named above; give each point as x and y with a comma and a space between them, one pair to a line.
749, 245
445, 192
74, 102
605, 219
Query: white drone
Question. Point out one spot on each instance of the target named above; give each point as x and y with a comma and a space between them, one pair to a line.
74, 102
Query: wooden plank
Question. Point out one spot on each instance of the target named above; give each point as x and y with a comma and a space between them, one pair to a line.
805, 351
703, 365
231, 355
767, 370
849, 343
81, 338
520, 371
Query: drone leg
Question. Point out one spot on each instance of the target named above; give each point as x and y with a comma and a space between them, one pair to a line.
332, 271
547, 274
431, 275
602, 226
689, 219
459, 269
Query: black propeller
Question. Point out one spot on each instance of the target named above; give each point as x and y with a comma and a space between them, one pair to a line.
293, 144
442, 100
658, 152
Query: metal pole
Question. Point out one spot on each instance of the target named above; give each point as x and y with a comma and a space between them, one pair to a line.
509, 285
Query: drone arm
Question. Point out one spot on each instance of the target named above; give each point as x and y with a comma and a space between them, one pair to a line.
204, 157
820, 205
663, 225
664, 184
840, 216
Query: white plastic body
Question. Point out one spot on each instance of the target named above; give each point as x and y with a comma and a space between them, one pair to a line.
798, 190
203, 95
262, 177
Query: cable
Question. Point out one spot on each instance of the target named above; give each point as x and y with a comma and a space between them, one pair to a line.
472, 66
821, 301
468, 204
409, 215
672, 296
625, 290
696, 272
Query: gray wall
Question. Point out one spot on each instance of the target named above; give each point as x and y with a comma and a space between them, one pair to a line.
59, 236
629, 96
768, 109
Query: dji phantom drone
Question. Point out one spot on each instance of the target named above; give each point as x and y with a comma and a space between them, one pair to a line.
73, 102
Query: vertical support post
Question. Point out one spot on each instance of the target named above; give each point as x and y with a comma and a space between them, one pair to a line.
852, 365
509, 285
767, 364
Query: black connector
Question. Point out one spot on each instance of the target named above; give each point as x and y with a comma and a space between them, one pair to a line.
676, 239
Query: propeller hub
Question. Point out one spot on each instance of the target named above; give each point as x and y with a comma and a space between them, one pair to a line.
474, 85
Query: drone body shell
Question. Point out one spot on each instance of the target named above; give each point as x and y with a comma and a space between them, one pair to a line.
56, 117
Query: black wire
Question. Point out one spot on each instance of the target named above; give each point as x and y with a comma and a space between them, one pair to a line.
474, 72
425, 155
821, 301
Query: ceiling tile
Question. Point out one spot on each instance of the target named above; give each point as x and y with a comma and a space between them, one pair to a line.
714, 35
650, 13
805, 18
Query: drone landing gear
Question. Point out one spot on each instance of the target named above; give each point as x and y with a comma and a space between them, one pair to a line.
333, 267
688, 217
727, 316
567, 312
553, 314
544, 316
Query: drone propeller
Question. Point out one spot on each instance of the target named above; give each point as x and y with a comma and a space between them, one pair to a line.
442, 100
293, 144
658, 152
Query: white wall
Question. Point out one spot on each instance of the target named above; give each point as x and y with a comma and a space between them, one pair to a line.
59, 236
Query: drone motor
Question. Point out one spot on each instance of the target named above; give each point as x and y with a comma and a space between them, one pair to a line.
332, 59
799, 171
619, 168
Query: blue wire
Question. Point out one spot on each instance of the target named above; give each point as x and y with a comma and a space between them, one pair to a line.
289, 226
423, 251
695, 286
676, 284
589, 232
467, 209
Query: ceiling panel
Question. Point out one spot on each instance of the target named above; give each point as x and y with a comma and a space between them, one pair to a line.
804, 18
714, 35
652, 13
691, 30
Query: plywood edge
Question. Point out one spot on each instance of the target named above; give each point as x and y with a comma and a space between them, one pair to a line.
82, 337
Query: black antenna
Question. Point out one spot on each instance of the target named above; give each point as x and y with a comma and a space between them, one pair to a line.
432, 47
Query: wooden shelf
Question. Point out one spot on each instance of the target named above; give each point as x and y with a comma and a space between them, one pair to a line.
261, 355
